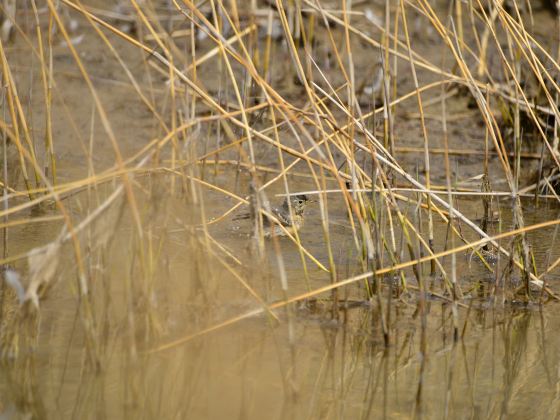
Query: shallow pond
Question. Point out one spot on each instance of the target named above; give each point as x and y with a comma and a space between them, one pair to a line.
146, 298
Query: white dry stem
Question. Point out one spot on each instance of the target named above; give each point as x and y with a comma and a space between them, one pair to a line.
13, 279
9, 7
43, 261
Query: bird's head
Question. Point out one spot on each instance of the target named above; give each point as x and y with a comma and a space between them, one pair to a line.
298, 203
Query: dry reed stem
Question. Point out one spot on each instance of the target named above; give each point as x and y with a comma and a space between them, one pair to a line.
355, 279
327, 129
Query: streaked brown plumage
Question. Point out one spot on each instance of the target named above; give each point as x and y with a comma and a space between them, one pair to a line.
282, 213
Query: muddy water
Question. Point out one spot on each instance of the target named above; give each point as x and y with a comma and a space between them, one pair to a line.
329, 370
149, 360
170, 328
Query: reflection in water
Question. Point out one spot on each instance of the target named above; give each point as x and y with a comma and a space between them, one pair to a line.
149, 304
21, 391
303, 361
305, 366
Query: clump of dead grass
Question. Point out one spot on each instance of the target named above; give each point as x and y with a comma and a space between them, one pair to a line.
279, 90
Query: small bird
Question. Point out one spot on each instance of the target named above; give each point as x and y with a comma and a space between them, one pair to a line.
292, 224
